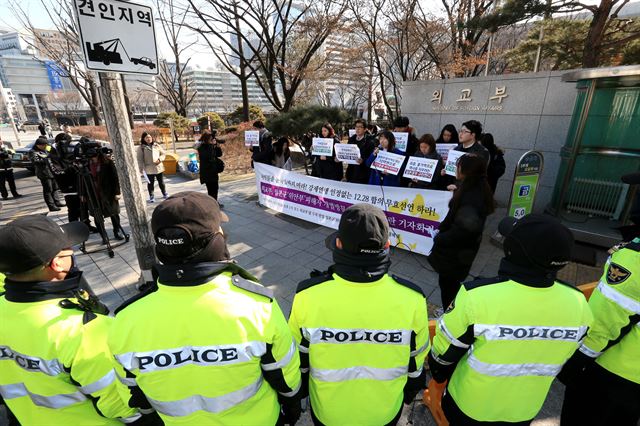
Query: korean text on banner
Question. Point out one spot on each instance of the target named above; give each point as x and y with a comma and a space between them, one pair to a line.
414, 215
402, 139
347, 153
388, 162
251, 138
322, 146
452, 162
444, 148
420, 168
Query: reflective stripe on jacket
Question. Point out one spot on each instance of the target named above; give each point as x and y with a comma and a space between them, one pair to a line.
614, 338
360, 343
55, 370
507, 341
207, 353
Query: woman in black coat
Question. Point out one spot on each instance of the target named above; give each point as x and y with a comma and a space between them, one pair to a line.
105, 179
210, 163
497, 166
458, 240
427, 149
328, 167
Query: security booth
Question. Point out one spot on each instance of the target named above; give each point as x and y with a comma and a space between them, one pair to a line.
603, 144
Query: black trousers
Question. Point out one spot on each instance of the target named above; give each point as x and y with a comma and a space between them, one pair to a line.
7, 176
150, 185
457, 417
212, 188
51, 193
448, 289
602, 398
76, 210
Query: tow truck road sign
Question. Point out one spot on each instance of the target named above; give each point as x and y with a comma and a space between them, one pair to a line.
117, 36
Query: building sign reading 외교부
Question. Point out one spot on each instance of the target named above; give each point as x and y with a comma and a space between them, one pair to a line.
465, 97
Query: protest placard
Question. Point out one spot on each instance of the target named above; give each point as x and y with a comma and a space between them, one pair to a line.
251, 138
444, 148
420, 168
322, 146
452, 161
414, 215
388, 162
347, 153
402, 139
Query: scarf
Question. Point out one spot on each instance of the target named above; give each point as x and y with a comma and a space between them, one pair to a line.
360, 267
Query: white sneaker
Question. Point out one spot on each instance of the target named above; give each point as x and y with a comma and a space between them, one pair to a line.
152, 200
165, 195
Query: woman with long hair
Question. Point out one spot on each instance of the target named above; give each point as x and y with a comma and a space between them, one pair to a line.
209, 152
328, 167
104, 175
458, 240
281, 156
150, 157
387, 143
497, 166
427, 149
448, 134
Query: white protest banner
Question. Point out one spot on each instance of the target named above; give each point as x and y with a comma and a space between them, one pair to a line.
414, 215
402, 139
420, 168
352, 132
251, 138
444, 148
452, 162
348, 153
322, 146
388, 162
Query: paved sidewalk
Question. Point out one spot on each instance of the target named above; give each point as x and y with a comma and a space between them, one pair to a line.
277, 249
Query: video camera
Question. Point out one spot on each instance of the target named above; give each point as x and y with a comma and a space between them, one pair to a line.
86, 148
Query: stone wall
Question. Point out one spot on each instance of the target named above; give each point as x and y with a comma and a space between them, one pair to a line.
535, 114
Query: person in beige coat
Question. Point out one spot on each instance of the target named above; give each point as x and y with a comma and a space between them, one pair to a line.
150, 158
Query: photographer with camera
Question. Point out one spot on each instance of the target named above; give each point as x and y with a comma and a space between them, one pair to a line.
6, 172
39, 156
107, 186
64, 156
210, 163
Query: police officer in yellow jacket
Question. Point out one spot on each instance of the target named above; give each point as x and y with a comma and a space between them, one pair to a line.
363, 334
210, 345
55, 367
503, 340
605, 373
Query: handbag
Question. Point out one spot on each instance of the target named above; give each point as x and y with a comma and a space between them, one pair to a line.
219, 165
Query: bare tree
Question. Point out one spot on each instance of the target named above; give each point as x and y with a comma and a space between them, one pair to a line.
67, 103
171, 83
64, 50
142, 100
275, 39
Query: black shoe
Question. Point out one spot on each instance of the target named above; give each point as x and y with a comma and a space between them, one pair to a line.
221, 205
118, 236
17, 195
93, 229
4, 197
54, 209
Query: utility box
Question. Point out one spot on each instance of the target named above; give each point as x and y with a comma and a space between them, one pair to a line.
171, 164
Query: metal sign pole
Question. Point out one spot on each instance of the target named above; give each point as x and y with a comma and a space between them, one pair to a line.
5, 101
128, 172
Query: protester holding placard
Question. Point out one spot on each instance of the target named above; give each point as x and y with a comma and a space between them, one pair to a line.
281, 156
324, 166
262, 152
401, 124
359, 173
456, 245
470, 134
209, 153
427, 149
383, 178
448, 134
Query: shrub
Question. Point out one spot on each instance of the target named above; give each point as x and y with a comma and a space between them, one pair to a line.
216, 121
255, 113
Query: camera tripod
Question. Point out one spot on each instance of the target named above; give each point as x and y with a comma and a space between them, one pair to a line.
87, 193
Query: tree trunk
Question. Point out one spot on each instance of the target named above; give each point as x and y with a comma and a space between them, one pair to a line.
94, 105
597, 28
243, 69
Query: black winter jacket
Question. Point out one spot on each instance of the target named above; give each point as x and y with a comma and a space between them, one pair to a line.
208, 167
359, 173
456, 245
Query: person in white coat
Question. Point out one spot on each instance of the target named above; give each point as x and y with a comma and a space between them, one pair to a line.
150, 157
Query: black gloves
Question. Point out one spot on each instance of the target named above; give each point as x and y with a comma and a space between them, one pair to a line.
290, 410
413, 386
